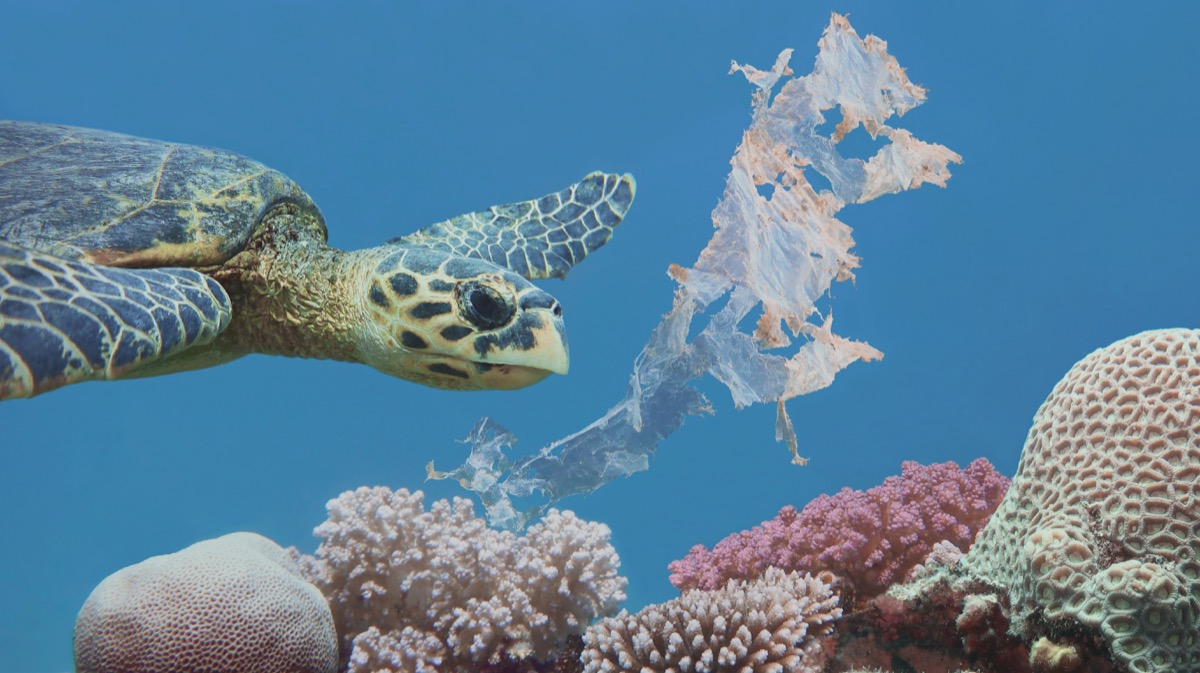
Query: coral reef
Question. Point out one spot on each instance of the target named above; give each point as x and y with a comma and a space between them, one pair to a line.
1101, 527
870, 538
779, 622
236, 604
416, 590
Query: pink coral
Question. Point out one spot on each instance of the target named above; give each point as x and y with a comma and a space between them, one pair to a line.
871, 538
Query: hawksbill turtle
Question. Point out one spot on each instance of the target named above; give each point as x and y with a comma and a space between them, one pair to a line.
122, 257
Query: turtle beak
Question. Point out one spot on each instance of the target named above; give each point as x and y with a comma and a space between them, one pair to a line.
531, 349
550, 343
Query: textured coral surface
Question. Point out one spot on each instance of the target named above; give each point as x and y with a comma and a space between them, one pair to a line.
870, 538
1102, 523
779, 622
236, 604
415, 590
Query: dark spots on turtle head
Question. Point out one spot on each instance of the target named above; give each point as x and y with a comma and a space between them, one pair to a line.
420, 261
443, 368
482, 367
429, 309
463, 268
537, 299
455, 332
378, 296
413, 340
403, 284
389, 263
518, 337
439, 285
27, 275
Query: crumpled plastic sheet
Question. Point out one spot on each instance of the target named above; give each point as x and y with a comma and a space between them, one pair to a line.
779, 252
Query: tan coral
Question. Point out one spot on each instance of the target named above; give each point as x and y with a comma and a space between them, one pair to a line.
413, 590
235, 604
780, 622
1102, 522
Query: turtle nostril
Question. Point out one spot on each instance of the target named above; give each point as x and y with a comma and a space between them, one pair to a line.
557, 310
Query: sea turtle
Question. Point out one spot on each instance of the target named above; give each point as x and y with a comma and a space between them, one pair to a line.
121, 256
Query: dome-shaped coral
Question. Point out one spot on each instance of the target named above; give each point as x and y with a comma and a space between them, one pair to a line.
235, 604
1102, 522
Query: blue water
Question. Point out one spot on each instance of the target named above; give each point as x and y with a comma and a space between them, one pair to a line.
1070, 225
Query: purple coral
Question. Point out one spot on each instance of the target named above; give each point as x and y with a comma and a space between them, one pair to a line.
871, 538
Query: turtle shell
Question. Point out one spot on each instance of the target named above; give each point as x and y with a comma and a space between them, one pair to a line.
118, 200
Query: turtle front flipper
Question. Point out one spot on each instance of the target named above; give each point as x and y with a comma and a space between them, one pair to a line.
542, 238
65, 321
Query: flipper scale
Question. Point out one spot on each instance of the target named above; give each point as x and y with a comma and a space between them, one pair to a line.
539, 238
65, 321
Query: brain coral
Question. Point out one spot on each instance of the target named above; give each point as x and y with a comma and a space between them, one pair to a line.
870, 538
1102, 523
416, 590
235, 604
778, 622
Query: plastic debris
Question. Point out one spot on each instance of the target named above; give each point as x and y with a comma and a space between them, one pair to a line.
777, 248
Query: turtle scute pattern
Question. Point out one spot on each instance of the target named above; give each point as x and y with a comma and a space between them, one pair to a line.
236, 604
97, 321
1102, 522
537, 239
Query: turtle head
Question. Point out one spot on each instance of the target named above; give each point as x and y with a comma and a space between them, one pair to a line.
454, 322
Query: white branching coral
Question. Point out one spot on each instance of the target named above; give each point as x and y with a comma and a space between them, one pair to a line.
415, 590
778, 623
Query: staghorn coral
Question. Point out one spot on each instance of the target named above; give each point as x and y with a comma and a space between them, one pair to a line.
414, 590
235, 604
781, 622
870, 538
1102, 524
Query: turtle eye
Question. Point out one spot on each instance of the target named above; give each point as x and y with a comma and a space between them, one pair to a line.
483, 306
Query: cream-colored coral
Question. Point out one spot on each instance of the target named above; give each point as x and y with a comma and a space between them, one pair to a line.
1102, 522
235, 604
413, 589
777, 623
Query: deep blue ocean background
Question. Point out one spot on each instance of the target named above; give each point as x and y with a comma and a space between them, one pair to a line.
1071, 224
